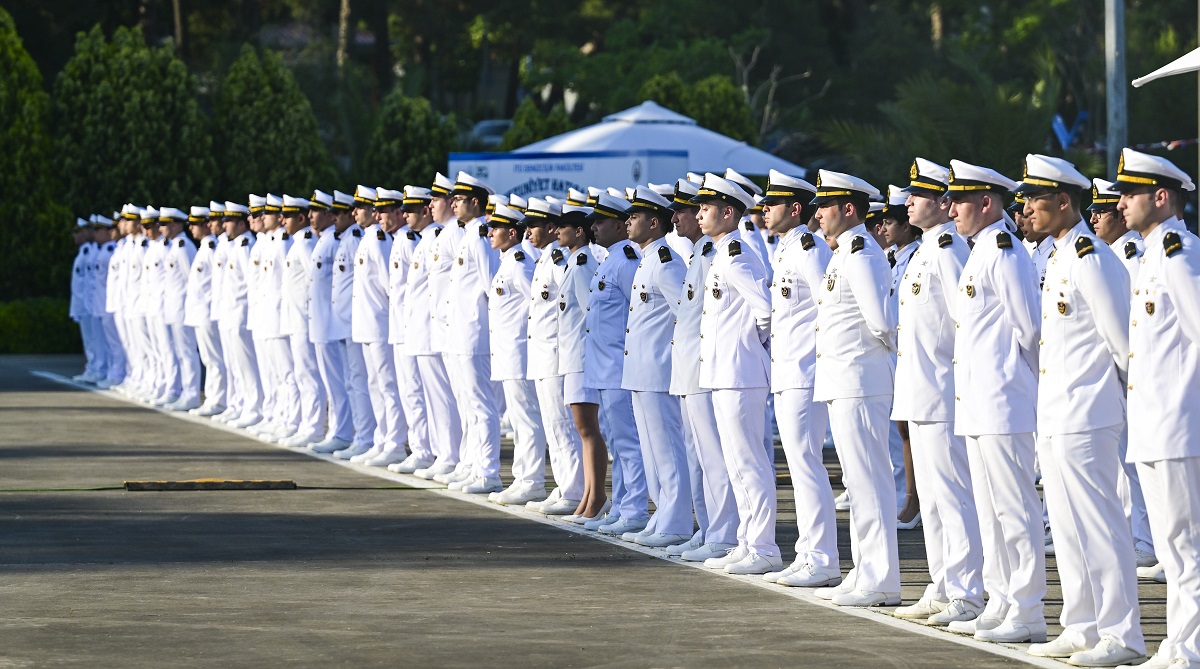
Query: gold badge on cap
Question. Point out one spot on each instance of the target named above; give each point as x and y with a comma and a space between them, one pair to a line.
912, 171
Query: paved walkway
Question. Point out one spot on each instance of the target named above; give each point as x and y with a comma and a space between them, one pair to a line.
357, 569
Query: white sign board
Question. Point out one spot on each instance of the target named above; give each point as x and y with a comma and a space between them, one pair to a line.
539, 174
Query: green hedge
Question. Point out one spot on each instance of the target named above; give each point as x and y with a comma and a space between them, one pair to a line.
38, 325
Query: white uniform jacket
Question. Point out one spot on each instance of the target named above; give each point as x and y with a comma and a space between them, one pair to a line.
508, 315
856, 333
1164, 339
651, 324
925, 331
735, 323
998, 313
607, 313
800, 260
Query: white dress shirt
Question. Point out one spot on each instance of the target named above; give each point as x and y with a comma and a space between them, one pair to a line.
544, 312
321, 328
685, 343
369, 289
419, 324
179, 251
467, 294
343, 282
607, 312
197, 306
508, 315
572, 305
297, 284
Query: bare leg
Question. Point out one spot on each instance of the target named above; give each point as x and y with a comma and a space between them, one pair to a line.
912, 504
595, 458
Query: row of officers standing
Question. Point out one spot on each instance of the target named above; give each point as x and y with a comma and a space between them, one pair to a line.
658, 326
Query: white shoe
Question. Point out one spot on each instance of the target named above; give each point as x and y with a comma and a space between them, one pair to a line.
483, 485
554, 496
866, 598
1108, 653
227, 416
624, 525
262, 427
433, 471
331, 445
732, 555
808, 576
559, 507
393, 456
755, 564
828, 593
773, 576
247, 421
605, 519
707, 552
460, 483
458, 473
1157, 661
208, 410
376, 449
352, 450
301, 440
696, 541
632, 537
959, 610
842, 501
182, 405
1144, 559
1014, 633
1059, 648
1150, 573
661, 539
921, 610
971, 627
520, 493
410, 464
912, 524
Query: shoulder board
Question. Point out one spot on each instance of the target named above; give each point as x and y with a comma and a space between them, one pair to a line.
212, 244
556, 255
630, 253
1130, 250
519, 256
735, 248
581, 259
180, 244
412, 235
708, 247
308, 234
337, 235
749, 226
945, 239
380, 234
807, 241
1003, 240
857, 244
85, 250
1172, 243
483, 231
1083, 246
286, 235
245, 241
437, 232
145, 243
357, 232
664, 254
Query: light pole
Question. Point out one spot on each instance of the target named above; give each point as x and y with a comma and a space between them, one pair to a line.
1114, 67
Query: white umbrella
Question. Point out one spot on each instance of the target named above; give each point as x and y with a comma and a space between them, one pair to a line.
652, 126
1187, 63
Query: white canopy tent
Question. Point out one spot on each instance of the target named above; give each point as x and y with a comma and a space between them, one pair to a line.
1187, 63
650, 126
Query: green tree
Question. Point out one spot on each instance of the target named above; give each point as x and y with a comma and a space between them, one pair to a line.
715, 102
531, 124
34, 241
409, 144
265, 132
127, 125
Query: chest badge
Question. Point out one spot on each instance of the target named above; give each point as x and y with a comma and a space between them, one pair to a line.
916, 288
341, 268
970, 290
644, 297
545, 294
691, 294
1149, 308
360, 261
562, 306
829, 284
716, 292
1062, 308
318, 264
460, 261
499, 290
601, 284
786, 291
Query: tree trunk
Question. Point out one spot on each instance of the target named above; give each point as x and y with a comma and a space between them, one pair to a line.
343, 29
178, 26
